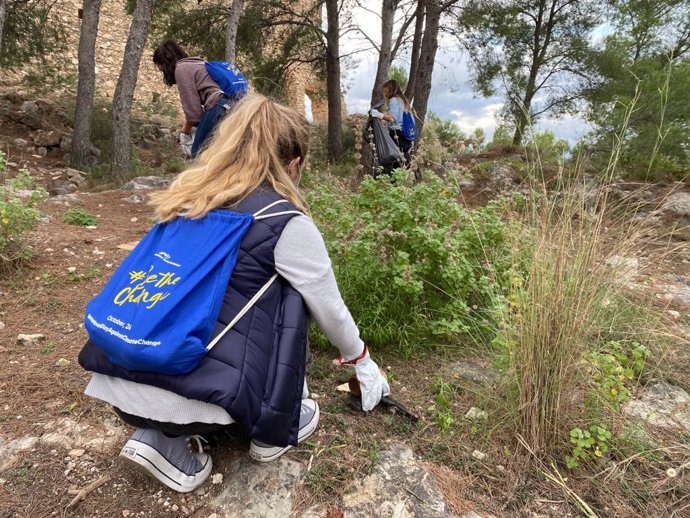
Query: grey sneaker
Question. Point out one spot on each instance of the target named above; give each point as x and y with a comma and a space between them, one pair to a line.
168, 459
308, 421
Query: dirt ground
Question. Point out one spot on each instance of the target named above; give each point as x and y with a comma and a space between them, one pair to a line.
41, 388
42, 383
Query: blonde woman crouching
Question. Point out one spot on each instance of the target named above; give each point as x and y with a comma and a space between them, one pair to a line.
255, 375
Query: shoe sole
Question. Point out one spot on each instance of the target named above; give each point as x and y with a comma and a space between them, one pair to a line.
256, 452
147, 460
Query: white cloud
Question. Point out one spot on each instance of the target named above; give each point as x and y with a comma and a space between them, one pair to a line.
484, 119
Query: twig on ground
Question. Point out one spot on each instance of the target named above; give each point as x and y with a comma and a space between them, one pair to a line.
414, 495
81, 494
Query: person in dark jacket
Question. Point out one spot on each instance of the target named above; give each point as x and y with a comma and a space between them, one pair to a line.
255, 374
203, 102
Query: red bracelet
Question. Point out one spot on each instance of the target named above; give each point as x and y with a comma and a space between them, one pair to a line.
355, 360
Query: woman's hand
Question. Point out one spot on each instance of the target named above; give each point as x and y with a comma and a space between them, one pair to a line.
372, 382
187, 128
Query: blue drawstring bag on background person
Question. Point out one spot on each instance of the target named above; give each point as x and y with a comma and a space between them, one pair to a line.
229, 78
408, 126
158, 310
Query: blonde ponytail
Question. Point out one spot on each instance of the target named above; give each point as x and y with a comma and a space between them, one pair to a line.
252, 146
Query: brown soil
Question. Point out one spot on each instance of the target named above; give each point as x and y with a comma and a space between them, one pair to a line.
43, 382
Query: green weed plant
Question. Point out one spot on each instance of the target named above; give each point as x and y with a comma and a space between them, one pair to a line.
615, 368
79, 217
588, 445
18, 214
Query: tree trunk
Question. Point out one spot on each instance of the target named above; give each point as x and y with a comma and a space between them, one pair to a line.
233, 22
522, 118
3, 13
124, 91
414, 54
388, 8
539, 46
335, 124
427, 56
80, 154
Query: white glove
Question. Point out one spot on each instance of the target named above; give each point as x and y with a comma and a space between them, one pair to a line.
375, 113
186, 142
372, 383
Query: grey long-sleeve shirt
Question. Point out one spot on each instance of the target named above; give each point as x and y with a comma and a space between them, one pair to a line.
198, 92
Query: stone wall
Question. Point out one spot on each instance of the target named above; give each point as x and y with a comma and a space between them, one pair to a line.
113, 29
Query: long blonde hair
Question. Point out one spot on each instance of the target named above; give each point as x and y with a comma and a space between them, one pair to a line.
253, 145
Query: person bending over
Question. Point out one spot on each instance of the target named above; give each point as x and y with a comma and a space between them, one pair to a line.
203, 102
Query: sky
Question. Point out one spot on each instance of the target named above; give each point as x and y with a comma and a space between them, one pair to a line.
451, 96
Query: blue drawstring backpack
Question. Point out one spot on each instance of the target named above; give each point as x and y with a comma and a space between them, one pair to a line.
158, 310
408, 126
229, 78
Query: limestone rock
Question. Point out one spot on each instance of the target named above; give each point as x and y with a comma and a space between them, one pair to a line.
30, 340
476, 454
71, 434
60, 187
682, 230
625, 268
29, 107
476, 414
66, 199
47, 138
135, 198
10, 450
259, 489
473, 373
677, 291
399, 486
147, 182
74, 176
678, 203
662, 405
502, 177
20, 142
66, 144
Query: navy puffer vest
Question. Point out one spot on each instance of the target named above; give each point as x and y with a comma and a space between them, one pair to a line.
256, 371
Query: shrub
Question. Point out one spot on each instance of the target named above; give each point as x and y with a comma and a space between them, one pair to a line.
18, 214
413, 265
441, 140
79, 217
547, 147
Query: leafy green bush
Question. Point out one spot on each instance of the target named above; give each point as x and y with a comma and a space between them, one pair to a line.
413, 265
547, 147
79, 217
18, 214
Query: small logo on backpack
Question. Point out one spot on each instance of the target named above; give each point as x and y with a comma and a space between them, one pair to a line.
165, 257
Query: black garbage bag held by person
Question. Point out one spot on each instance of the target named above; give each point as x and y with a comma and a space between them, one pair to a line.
388, 155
